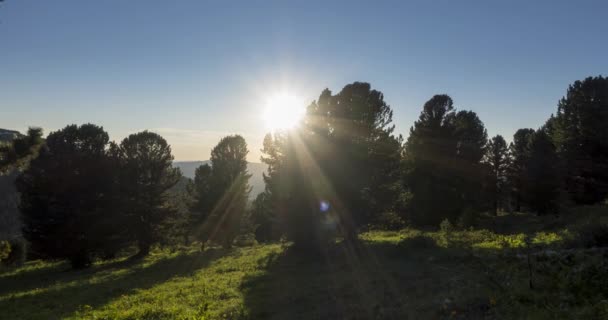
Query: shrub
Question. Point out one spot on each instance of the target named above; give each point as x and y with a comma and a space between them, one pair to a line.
245, 240
467, 219
446, 226
389, 221
592, 234
5, 250
16, 253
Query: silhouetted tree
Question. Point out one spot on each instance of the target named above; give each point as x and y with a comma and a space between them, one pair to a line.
266, 224
520, 153
542, 181
146, 174
66, 196
266, 209
350, 142
497, 159
221, 191
202, 193
470, 138
442, 162
580, 134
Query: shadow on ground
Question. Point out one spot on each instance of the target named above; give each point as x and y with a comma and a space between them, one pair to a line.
369, 281
63, 292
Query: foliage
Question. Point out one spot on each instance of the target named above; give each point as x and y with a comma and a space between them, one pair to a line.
519, 151
337, 172
350, 142
468, 218
66, 196
5, 250
542, 180
388, 221
580, 135
17, 253
481, 274
592, 234
146, 174
497, 159
267, 227
19, 150
443, 161
220, 192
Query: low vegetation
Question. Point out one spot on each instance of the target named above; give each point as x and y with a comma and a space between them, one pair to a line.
447, 273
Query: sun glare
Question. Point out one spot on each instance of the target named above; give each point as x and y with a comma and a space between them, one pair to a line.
283, 111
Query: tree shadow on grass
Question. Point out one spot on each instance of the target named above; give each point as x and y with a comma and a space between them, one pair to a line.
57, 294
367, 281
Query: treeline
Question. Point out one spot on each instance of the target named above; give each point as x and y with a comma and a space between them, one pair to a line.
342, 170
83, 197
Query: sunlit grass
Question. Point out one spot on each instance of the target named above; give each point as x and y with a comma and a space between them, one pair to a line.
411, 272
475, 239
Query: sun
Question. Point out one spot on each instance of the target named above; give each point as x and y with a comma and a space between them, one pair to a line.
283, 111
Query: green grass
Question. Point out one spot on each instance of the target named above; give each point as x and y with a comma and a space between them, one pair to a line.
406, 274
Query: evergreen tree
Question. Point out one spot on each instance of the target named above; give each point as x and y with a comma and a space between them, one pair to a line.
471, 138
66, 195
580, 134
146, 175
267, 208
221, 191
442, 162
350, 142
542, 180
497, 159
519, 151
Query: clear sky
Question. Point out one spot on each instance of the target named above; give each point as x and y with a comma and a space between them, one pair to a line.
195, 71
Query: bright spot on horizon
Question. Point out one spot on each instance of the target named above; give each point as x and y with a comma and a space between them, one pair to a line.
283, 111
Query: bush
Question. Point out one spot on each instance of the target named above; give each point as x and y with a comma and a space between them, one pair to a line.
468, 219
245, 240
446, 226
16, 254
5, 250
389, 221
577, 278
590, 235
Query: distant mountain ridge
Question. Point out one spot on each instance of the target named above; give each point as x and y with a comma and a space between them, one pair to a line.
256, 181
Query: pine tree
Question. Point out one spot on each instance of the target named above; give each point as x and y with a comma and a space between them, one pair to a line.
146, 175
520, 153
580, 134
497, 159
221, 191
66, 196
542, 180
442, 162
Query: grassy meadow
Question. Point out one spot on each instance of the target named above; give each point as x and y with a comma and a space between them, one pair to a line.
507, 273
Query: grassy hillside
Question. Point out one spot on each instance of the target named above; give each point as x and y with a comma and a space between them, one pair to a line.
408, 274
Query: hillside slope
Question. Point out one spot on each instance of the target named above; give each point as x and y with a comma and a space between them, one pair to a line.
411, 274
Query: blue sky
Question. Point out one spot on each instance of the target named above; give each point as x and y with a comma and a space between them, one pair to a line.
195, 71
